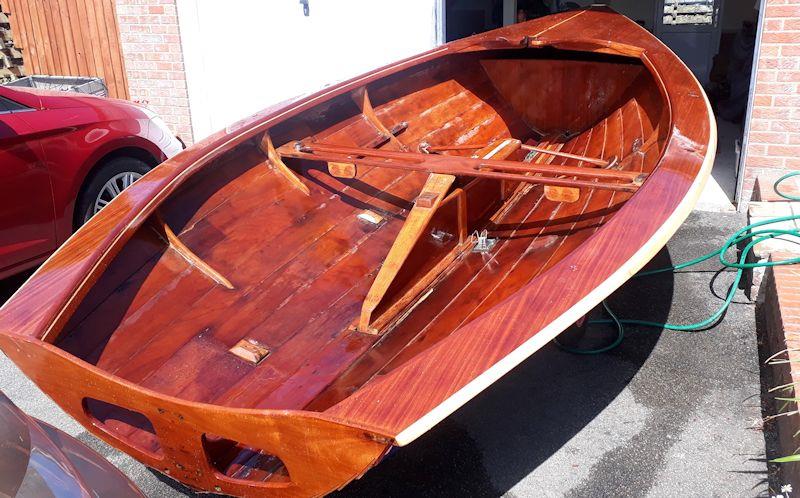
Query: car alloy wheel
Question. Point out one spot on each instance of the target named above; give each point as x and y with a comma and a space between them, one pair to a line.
113, 187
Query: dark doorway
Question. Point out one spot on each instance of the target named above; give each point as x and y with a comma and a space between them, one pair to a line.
468, 17
729, 88
716, 39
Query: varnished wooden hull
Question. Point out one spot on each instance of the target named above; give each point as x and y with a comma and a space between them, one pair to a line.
345, 262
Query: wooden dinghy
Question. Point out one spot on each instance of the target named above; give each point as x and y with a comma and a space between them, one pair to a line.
272, 310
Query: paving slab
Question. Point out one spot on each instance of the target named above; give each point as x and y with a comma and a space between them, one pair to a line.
665, 414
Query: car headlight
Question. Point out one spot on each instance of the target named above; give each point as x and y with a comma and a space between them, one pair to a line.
161, 124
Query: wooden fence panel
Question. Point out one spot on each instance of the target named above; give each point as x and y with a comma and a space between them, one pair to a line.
70, 38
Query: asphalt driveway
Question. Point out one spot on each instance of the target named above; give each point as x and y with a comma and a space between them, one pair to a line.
665, 414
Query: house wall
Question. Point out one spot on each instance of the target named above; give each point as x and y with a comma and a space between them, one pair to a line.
251, 54
151, 46
773, 142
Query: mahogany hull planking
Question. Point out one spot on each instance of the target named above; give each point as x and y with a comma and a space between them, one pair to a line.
273, 309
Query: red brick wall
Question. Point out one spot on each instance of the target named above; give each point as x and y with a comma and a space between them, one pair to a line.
774, 140
151, 44
779, 308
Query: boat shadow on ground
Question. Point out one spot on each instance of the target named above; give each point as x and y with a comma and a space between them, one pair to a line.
507, 432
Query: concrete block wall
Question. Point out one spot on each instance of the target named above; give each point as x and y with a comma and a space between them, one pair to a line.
151, 45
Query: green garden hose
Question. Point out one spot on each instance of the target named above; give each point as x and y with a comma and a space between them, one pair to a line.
741, 235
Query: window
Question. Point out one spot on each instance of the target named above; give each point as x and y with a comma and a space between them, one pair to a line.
7, 105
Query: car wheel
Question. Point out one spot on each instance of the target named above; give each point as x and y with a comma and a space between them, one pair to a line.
106, 183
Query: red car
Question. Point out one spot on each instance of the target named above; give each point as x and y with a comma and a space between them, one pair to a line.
63, 156
36, 459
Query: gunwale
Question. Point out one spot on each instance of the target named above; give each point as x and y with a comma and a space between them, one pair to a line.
66, 276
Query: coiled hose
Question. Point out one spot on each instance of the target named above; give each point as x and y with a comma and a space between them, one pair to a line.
748, 232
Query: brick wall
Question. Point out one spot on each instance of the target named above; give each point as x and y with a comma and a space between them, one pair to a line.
774, 140
779, 312
151, 45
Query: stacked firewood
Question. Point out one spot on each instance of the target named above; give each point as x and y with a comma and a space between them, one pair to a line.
10, 56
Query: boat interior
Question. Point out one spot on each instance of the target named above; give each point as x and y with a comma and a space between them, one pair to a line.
350, 237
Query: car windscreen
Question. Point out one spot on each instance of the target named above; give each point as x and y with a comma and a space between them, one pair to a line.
8, 105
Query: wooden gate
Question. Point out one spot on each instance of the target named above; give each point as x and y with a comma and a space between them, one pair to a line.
70, 38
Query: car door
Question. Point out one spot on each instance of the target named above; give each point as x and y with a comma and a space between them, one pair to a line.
27, 230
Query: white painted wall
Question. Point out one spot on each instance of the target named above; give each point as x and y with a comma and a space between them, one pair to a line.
244, 55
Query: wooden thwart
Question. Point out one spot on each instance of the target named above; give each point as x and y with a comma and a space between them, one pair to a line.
603, 163
467, 166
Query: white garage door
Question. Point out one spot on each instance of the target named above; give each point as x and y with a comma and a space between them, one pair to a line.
243, 55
